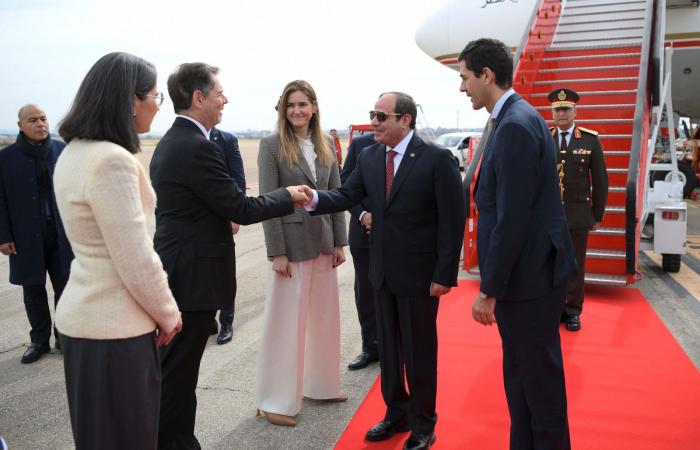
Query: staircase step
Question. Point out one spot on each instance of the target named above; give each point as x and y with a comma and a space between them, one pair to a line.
605, 254
608, 231
614, 216
583, 84
587, 53
605, 279
616, 158
596, 72
608, 25
617, 35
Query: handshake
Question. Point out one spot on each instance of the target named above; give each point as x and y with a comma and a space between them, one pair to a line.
301, 195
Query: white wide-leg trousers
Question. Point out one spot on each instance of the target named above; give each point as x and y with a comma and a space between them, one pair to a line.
300, 344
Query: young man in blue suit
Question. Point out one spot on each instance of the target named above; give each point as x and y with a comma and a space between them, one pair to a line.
358, 237
414, 192
525, 253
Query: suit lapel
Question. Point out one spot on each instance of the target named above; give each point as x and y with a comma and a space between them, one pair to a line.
412, 153
380, 170
487, 148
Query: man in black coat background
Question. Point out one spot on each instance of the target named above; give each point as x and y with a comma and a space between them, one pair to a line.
197, 201
31, 231
358, 238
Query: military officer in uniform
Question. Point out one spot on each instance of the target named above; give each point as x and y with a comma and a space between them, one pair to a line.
583, 180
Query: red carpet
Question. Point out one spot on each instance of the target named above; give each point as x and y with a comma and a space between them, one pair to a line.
629, 384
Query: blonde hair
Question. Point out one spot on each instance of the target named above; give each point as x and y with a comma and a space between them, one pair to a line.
289, 143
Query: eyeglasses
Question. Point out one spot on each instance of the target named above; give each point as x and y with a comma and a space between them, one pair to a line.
381, 116
158, 96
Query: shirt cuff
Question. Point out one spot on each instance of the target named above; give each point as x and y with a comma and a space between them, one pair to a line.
314, 201
361, 214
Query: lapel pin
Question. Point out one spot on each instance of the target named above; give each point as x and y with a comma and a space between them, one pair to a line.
413, 155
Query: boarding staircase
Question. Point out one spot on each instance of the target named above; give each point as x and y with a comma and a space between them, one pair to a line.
601, 49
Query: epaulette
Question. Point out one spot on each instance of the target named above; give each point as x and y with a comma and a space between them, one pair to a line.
586, 130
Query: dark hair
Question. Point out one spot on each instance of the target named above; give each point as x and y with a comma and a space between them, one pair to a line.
404, 105
489, 53
186, 79
103, 109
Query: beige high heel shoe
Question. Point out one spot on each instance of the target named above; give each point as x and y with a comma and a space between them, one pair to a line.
279, 419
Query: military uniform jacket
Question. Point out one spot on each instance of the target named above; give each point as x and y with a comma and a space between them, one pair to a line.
583, 176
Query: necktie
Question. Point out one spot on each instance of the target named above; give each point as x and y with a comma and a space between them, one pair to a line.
389, 171
563, 146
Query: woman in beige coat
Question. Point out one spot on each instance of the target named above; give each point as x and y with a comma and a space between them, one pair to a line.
300, 349
117, 307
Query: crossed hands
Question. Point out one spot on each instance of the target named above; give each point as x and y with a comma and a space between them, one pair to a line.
301, 195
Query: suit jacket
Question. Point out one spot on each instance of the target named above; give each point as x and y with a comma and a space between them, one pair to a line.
299, 236
585, 179
417, 234
228, 143
522, 238
197, 200
21, 217
357, 235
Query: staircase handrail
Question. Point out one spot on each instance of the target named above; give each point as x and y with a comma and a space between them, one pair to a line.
638, 134
523, 39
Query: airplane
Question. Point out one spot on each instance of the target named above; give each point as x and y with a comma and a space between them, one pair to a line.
444, 34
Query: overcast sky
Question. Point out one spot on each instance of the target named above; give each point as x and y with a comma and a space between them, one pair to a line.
349, 51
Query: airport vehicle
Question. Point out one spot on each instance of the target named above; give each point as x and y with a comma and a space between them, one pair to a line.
615, 53
461, 144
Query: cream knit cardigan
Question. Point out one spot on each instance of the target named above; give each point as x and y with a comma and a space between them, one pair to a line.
117, 287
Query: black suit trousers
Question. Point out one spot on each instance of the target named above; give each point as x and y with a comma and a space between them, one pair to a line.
533, 371
180, 366
36, 301
364, 299
407, 332
574, 287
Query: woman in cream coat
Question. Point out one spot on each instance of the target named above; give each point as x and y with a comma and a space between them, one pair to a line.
117, 307
300, 349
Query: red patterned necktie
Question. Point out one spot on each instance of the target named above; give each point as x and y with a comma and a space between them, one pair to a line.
389, 171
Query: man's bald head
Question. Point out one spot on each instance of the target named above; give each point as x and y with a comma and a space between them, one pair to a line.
33, 123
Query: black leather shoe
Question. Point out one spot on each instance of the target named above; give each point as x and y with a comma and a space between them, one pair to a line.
34, 352
214, 328
573, 323
362, 360
385, 429
419, 441
225, 335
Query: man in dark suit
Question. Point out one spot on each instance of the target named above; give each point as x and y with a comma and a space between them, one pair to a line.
197, 201
358, 237
31, 231
583, 182
414, 192
228, 143
525, 253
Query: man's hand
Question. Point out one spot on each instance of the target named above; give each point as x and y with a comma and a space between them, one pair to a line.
595, 226
301, 195
235, 227
280, 264
8, 248
367, 221
165, 338
338, 256
436, 290
482, 310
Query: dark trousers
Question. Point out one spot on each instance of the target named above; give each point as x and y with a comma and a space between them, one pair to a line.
180, 364
226, 314
533, 372
113, 388
408, 351
364, 300
574, 287
36, 303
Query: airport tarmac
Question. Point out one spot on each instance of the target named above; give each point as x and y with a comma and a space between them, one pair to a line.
34, 411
